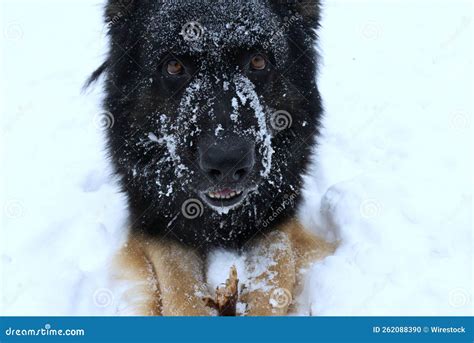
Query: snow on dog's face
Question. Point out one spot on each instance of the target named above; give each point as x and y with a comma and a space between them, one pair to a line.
215, 108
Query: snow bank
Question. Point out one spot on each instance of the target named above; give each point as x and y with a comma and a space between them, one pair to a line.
393, 176
61, 213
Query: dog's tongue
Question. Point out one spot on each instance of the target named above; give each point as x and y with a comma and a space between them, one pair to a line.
225, 191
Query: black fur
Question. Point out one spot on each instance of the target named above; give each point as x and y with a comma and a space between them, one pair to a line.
161, 124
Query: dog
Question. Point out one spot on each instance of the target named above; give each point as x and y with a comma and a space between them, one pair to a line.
216, 114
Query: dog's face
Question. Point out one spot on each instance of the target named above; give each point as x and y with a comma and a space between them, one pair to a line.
215, 106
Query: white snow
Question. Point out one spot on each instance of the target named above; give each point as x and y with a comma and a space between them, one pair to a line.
392, 181
394, 172
246, 92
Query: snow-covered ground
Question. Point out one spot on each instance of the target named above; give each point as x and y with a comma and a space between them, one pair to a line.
392, 180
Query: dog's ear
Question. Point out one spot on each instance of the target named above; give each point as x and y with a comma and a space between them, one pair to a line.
117, 12
308, 10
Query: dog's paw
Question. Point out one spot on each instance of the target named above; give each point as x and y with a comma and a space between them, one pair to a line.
227, 296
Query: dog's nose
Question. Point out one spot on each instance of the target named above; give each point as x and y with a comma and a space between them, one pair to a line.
227, 162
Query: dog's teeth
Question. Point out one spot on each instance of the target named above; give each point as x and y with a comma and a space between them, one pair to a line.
221, 196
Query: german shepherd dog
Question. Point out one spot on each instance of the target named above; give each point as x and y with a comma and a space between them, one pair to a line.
216, 113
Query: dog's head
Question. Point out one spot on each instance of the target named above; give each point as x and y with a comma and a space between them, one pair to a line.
215, 109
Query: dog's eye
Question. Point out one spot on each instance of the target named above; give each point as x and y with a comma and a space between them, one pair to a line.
258, 62
174, 67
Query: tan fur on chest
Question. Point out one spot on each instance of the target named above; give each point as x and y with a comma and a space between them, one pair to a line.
164, 277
